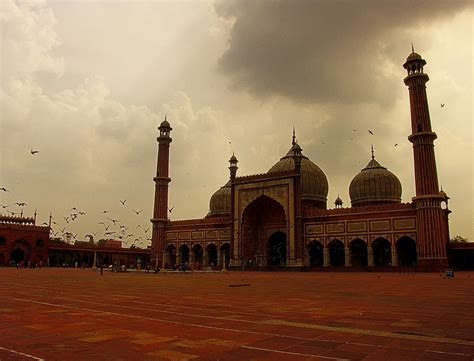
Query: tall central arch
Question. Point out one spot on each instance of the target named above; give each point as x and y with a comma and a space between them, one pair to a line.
262, 218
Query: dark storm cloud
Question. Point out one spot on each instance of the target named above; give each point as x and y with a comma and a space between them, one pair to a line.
324, 51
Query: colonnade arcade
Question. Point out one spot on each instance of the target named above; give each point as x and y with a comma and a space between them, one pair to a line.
356, 253
197, 255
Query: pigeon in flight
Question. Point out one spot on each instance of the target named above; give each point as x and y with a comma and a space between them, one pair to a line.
123, 202
33, 152
442, 105
137, 212
4, 189
370, 132
171, 209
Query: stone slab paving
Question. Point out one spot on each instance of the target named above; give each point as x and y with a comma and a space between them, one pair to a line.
75, 314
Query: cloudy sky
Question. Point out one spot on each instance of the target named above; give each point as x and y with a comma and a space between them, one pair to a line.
87, 83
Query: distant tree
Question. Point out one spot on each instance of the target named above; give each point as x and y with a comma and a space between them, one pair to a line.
459, 239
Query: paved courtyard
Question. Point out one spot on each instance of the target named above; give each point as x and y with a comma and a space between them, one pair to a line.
74, 314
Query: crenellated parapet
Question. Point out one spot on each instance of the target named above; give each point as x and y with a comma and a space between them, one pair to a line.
315, 212
199, 221
264, 176
17, 220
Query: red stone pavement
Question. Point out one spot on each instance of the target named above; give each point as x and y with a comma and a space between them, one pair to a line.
75, 314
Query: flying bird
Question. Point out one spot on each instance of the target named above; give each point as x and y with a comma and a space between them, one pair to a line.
370, 132
113, 220
34, 151
105, 211
442, 105
106, 226
395, 144
123, 202
137, 212
170, 209
4, 189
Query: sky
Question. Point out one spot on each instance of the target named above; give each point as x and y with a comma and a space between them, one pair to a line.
87, 84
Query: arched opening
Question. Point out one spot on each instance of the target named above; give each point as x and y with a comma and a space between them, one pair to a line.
17, 255
197, 254
184, 253
358, 253
53, 259
277, 249
406, 251
315, 253
3, 241
225, 254
68, 259
85, 260
170, 256
382, 252
211, 254
259, 218
336, 253
76, 259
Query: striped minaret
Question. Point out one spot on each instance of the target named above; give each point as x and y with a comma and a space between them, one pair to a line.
160, 209
432, 222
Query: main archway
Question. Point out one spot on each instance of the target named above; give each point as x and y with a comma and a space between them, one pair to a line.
261, 220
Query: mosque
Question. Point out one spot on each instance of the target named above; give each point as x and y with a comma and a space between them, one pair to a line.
280, 219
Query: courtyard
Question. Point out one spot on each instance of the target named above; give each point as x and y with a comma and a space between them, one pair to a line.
76, 314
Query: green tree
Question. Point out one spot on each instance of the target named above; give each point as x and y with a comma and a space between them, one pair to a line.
459, 239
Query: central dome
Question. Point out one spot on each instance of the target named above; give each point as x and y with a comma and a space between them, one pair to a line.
314, 184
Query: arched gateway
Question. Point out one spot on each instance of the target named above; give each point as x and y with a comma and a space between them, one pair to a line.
264, 240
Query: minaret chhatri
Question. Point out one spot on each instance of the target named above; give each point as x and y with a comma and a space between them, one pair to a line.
160, 208
432, 220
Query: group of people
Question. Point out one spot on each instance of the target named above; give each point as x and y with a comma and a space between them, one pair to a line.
26, 264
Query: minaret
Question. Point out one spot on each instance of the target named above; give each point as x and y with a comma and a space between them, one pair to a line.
160, 209
432, 220
234, 226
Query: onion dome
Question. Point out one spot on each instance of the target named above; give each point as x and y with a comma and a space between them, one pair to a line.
414, 56
220, 202
375, 185
338, 202
314, 184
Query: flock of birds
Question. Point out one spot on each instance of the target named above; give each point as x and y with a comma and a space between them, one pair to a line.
111, 227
